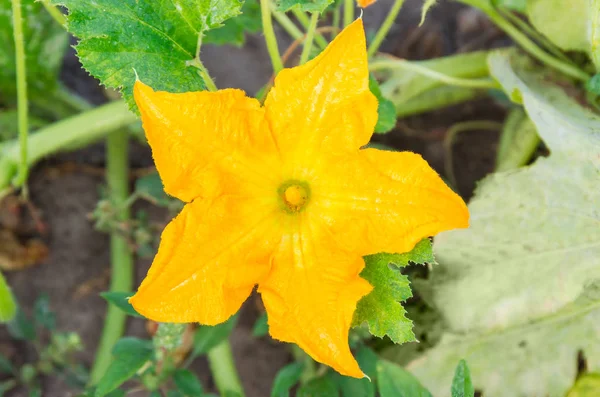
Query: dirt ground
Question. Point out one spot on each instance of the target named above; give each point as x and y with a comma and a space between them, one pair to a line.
79, 255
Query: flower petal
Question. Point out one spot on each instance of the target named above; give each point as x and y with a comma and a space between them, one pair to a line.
325, 105
383, 201
210, 257
311, 294
195, 136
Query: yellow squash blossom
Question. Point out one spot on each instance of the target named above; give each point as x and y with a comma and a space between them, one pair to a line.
282, 196
365, 3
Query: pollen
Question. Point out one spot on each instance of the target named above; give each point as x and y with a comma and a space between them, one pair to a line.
295, 197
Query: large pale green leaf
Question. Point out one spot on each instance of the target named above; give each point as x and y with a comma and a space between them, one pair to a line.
156, 38
381, 310
517, 285
565, 22
45, 45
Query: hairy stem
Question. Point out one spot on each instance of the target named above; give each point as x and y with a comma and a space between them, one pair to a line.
310, 34
269, 33
306, 22
385, 28
348, 12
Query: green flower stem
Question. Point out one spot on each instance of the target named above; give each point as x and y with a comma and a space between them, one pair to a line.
271, 40
306, 22
22, 103
121, 257
395, 64
54, 13
223, 370
310, 34
286, 23
437, 98
385, 28
68, 134
348, 12
528, 45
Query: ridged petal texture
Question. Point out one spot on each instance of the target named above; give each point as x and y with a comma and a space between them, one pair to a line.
231, 160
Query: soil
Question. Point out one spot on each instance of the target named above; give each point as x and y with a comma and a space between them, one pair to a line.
77, 266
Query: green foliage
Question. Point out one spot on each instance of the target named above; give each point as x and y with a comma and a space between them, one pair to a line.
187, 383
206, 337
381, 310
45, 45
426, 7
586, 386
351, 387
593, 84
21, 327
564, 22
462, 386
8, 306
261, 326
518, 141
515, 5
285, 379
322, 386
150, 187
129, 355
234, 30
121, 300
533, 301
42, 315
156, 38
395, 381
304, 5
386, 111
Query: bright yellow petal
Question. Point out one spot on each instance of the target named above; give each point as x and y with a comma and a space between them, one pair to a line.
196, 136
365, 3
324, 105
311, 294
209, 259
381, 201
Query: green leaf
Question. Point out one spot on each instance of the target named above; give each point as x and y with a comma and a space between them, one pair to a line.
517, 289
6, 366
386, 111
304, 5
395, 381
8, 306
518, 141
353, 387
286, 378
206, 337
381, 310
461, 384
45, 46
593, 84
426, 6
586, 386
21, 327
187, 383
151, 188
156, 38
515, 5
565, 22
121, 300
323, 386
261, 326
42, 315
234, 30
129, 355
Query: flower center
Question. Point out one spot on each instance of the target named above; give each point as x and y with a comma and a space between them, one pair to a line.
294, 195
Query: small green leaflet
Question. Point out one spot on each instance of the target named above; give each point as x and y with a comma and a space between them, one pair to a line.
462, 386
381, 309
8, 306
45, 46
386, 111
426, 6
156, 38
304, 5
234, 30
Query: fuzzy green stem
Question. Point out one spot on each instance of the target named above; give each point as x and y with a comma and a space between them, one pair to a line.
348, 12
385, 28
22, 103
306, 22
54, 12
121, 257
270, 38
210, 83
222, 367
310, 34
286, 23
68, 134
441, 77
528, 45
